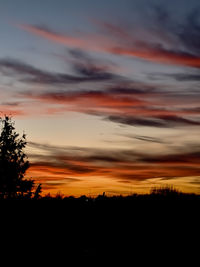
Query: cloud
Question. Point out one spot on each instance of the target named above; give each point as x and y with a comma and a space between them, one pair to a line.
84, 100
11, 112
185, 32
123, 165
154, 50
189, 32
10, 103
124, 102
159, 54
188, 76
136, 121
132, 104
145, 138
29, 74
161, 121
11, 108
50, 35
185, 77
115, 99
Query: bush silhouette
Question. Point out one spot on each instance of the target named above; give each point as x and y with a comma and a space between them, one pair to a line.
165, 191
13, 162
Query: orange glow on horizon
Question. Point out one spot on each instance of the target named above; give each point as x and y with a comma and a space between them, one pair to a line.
122, 177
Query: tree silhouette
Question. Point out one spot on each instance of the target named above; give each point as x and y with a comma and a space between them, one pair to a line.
38, 191
13, 162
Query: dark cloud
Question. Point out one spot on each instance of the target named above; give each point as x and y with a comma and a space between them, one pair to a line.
176, 120
104, 158
87, 66
159, 121
182, 77
133, 121
133, 88
189, 32
186, 77
192, 110
189, 153
179, 158
145, 138
12, 66
10, 103
170, 41
52, 148
161, 15
81, 154
185, 32
29, 74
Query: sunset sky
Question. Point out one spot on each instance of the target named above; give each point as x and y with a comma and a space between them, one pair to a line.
107, 92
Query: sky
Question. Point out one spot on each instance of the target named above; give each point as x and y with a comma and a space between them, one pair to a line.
107, 92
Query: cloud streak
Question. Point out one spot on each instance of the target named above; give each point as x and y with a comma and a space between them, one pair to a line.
53, 36
29, 74
123, 165
128, 107
154, 51
120, 101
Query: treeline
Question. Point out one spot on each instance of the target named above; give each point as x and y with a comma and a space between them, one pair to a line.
158, 194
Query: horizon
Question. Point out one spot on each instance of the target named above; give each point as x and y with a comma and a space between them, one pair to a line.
107, 94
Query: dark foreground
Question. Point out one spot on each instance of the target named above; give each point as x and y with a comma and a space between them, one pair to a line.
142, 227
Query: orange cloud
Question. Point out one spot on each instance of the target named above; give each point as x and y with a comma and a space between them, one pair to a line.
54, 178
74, 167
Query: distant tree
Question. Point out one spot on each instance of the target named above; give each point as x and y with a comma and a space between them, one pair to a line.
13, 162
165, 191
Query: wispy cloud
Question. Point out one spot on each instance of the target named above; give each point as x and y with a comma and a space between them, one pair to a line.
145, 138
116, 99
181, 49
159, 121
129, 107
51, 35
121, 165
29, 74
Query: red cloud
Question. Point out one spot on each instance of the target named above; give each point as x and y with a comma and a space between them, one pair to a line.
139, 49
125, 108
162, 56
10, 111
90, 100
